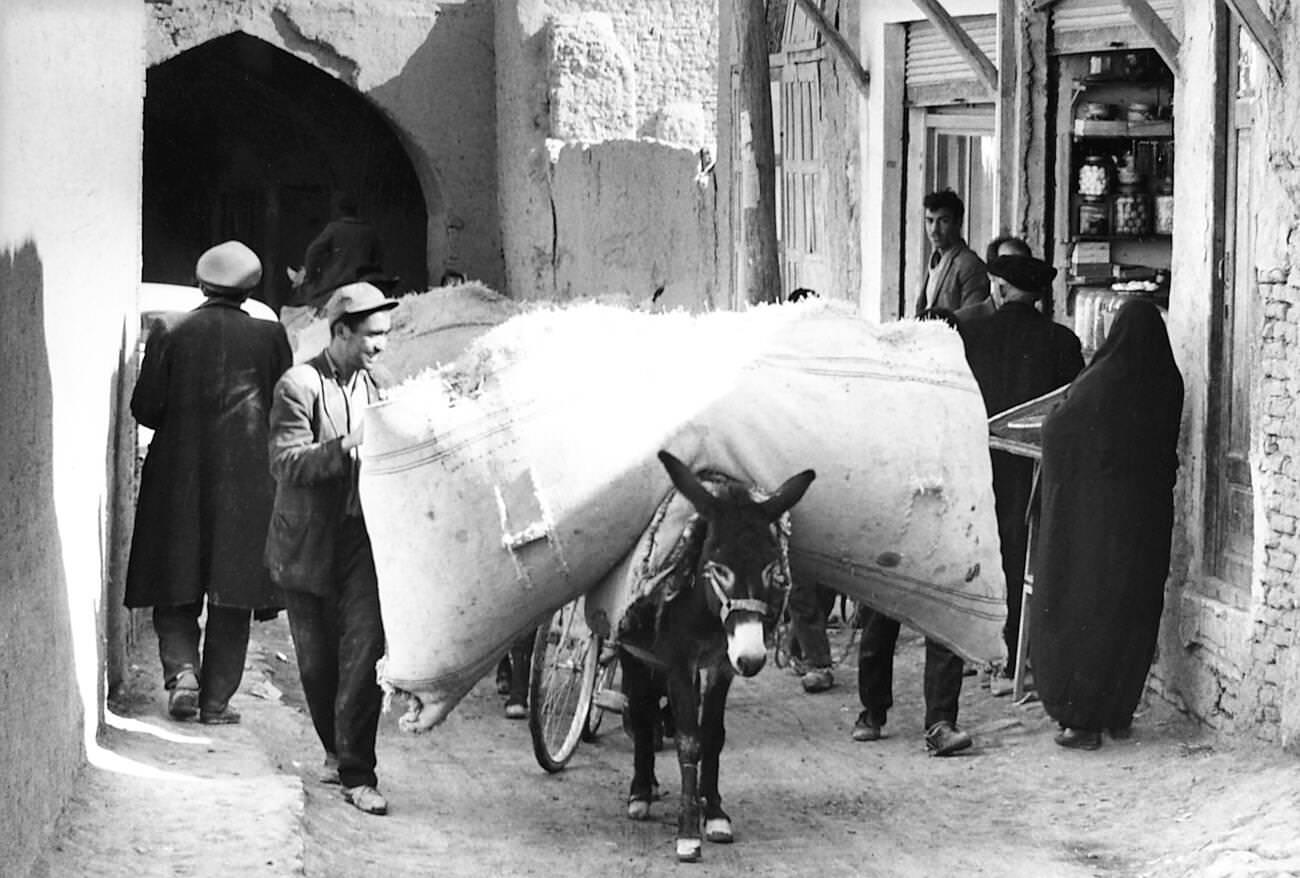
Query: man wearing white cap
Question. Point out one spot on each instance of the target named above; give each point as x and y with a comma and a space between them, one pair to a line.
205, 492
318, 549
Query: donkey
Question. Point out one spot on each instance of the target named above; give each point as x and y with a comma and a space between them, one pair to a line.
704, 623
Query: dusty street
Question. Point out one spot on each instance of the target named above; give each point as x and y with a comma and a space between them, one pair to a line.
469, 799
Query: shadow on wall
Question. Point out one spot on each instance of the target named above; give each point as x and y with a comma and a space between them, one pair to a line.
460, 178
120, 465
41, 721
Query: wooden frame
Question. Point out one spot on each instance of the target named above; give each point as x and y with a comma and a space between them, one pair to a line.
1261, 30
1151, 24
841, 45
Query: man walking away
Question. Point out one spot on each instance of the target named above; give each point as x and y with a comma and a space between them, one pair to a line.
205, 494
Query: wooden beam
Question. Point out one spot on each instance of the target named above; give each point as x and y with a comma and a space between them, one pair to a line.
832, 36
1008, 126
762, 271
1261, 29
1156, 30
961, 42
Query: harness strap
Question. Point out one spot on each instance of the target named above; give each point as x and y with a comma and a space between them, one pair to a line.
733, 605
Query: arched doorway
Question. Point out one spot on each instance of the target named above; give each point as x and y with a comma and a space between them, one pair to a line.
243, 140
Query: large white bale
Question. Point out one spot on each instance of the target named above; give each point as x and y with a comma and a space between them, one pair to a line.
500, 490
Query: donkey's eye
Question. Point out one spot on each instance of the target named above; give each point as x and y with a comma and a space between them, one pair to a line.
721, 574
774, 576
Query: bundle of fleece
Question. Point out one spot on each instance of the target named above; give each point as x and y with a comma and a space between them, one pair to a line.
500, 488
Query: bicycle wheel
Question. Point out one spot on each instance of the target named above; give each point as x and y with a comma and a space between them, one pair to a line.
565, 655
606, 697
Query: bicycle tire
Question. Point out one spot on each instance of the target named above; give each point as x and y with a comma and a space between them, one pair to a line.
606, 677
560, 685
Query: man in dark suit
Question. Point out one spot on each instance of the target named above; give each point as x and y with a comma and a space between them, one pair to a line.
955, 277
346, 250
318, 549
1017, 354
205, 494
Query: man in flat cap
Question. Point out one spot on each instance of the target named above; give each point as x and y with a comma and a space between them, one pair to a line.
205, 492
1017, 354
318, 549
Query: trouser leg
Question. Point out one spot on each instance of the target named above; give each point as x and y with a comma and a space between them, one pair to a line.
225, 646
1013, 479
876, 663
943, 671
521, 663
361, 645
315, 641
808, 623
178, 640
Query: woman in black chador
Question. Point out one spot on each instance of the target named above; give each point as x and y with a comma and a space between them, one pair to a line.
1109, 463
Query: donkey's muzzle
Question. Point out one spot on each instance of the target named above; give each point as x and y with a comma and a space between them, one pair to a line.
746, 647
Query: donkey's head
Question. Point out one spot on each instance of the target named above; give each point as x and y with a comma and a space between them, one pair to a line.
741, 566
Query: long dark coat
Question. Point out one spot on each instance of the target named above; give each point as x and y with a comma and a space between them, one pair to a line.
205, 493
1017, 354
1109, 465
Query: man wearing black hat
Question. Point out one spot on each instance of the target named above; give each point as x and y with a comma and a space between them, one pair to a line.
205, 494
1017, 354
318, 549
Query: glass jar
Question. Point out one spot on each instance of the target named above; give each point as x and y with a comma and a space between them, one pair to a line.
1094, 220
1094, 177
1132, 212
1164, 210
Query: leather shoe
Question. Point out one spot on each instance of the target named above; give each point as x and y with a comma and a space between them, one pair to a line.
1122, 733
866, 728
223, 717
1078, 739
516, 710
817, 680
183, 699
944, 739
367, 799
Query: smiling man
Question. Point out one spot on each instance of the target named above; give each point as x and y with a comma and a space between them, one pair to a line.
955, 276
318, 550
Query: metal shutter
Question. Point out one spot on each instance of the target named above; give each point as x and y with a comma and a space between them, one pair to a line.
1074, 18
931, 59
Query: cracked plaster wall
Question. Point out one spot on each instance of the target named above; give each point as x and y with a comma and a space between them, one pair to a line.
604, 107
428, 68
1230, 655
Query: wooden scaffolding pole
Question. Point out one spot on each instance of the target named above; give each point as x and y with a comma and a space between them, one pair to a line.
762, 273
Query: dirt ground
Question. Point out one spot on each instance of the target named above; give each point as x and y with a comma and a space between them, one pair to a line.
468, 799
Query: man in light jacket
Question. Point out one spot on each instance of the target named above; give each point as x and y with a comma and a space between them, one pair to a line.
318, 549
955, 276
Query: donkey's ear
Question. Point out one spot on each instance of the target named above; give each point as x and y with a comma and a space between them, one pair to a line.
687, 483
790, 493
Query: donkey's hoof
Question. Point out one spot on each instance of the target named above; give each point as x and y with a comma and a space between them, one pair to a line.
718, 830
638, 809
688, 850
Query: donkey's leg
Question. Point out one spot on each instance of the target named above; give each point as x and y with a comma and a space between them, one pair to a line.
684, 697
713, 735
639, 716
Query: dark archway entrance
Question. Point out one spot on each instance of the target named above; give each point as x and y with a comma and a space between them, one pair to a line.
243, 140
